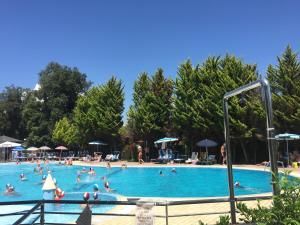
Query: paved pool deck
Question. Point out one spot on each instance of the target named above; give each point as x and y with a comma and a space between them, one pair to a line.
178, 209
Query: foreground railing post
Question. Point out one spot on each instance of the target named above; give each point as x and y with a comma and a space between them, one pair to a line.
42, 218
229, 162
266, 96
167, 214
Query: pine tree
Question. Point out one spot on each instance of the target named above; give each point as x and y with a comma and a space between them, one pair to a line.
285, 82
150, 115
184, 115
98, 114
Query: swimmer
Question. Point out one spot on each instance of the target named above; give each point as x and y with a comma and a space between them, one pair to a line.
96, 196
237, 185
173, 170
106, 185
48, 170
96, 188
161, 173
108, 165
78, 177
22, 177
92, 171
83, 170
124, 166
40, 170
10, 189
44, 178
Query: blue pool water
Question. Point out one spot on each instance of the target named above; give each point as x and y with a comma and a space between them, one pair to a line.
142, 181
139, 181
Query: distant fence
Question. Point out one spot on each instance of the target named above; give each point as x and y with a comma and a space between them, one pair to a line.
168, 212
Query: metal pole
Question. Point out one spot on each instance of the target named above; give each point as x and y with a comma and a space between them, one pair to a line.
167, 214
42, 218
270, 135
229, 162
287, 152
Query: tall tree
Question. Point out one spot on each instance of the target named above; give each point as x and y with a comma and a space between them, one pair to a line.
198, 99
150, 115
184, 114
98, 113
65, 132
60, 87
12, 101
285, 82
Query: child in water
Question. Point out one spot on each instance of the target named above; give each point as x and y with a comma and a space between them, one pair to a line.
22, 177
92, 171
78, 177
10, 189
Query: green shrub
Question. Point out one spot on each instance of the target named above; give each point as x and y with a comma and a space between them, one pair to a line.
223, 220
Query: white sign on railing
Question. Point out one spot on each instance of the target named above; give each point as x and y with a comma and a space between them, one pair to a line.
144, 214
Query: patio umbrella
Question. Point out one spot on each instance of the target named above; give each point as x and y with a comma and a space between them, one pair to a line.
287, 137
97, 143
18, 148
61, 148
9, 144
32, 149
165, 140
44, 148
207, 143
6, 145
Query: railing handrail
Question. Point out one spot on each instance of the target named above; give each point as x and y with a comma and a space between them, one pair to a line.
157, 203
39, 205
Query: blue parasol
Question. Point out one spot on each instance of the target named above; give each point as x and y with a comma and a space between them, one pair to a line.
287, 137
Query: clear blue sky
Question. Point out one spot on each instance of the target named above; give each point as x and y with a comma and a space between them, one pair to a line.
125, 38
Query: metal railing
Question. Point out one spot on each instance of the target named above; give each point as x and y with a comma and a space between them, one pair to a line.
38, 209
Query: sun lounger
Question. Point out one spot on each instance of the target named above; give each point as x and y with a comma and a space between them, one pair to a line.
108, 157
193, 159
180, 159
115, 157
279, 163
209, 160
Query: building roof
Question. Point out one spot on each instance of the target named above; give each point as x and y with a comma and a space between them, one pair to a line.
4, 138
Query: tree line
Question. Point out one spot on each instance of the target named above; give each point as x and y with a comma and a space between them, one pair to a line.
68, 110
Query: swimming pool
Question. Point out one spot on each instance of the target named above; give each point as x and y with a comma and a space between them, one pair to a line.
131, 182
135, 181
32, 190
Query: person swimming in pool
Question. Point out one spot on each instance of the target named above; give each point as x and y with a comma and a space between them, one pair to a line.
44, 178
83, 170
78, 177
96, 188
161, 173
106, 185
10, 190
92, 171
173, 170
96, 196
237, 184
108, 166
22, 177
